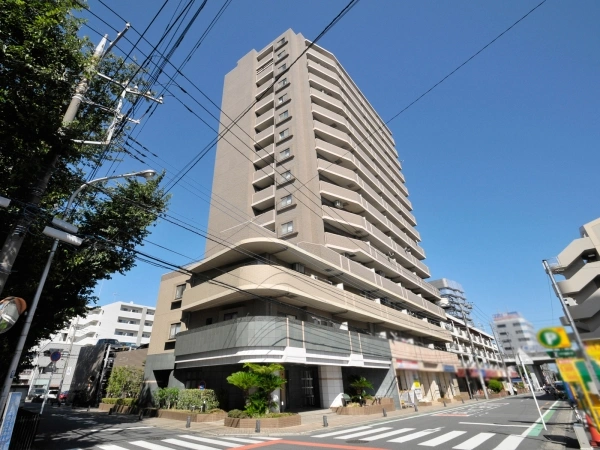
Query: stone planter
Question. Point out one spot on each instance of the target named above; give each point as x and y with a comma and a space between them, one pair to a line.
425, 403
173, 414
278, 422
365, 410
441, 400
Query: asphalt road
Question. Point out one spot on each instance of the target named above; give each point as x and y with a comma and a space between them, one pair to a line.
505, 424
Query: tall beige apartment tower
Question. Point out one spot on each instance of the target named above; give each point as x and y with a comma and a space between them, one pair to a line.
313, 259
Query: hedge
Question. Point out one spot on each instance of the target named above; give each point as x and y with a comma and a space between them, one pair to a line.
119, 401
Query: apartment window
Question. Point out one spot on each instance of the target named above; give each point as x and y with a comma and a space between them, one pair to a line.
287, 228
175, 328
286, 176
176, 304
283, 134
281, 54
282, 99
149, 313
230, 316
501, 326
147, 324
63, 336
179, 291
145, 335
282, 83
280, 42
519, 332
282, 67
503, 333
523, 339
286, 201
284, 115
169, 345
208, 321
285, 153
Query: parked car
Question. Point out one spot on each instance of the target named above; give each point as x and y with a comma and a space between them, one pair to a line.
37, 395
53, 397
62, 398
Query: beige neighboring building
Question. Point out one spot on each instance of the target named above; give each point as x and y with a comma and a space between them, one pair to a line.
579, 264
315, 261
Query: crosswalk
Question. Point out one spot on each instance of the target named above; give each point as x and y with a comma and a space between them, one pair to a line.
432, 437
186, 441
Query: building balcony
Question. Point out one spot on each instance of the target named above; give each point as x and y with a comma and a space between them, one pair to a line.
265, 138
264, 199
264, 157
322, 72
301, 289
264, 120
330, 118
263, 91
265, 74
407, 351
580, 279
266, 220
264, 104
572, 256
264, 177
326, 101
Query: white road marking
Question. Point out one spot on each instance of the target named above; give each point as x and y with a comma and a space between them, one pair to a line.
493, 424
388, 434
418, 434
210, 441
137, 428
475, 441
510, 443
335, 433
443, 438
111, 447
362, 433
148, 445
189, 445
526, 432
245, 441
265, 438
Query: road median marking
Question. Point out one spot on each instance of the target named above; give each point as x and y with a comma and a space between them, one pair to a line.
493, 424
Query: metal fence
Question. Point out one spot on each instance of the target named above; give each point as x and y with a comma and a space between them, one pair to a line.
24, 431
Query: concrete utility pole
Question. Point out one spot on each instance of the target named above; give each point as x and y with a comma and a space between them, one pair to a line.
473, 350
16, 236
595, 386
502, 357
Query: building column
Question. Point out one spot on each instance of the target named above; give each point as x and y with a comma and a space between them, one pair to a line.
331, 385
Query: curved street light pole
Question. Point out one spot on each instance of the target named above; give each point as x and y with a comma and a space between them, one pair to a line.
147, 174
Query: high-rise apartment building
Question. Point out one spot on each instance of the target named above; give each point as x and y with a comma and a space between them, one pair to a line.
579, 264
313, 261
514, 332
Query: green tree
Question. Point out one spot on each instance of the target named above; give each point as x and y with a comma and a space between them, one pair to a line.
41, 59
361, 384
264, 380
495, 386
125, 382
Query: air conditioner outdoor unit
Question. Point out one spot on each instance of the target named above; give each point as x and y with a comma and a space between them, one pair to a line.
430, 346
338, 204
314, 277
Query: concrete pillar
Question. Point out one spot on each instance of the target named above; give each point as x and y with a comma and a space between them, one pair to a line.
331, 385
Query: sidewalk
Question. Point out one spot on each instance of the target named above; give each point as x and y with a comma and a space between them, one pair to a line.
311, 421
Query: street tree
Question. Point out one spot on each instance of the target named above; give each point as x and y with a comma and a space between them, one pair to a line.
42, 57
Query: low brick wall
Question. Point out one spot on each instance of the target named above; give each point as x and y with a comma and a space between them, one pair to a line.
183, 415
279, 422
425, 403
365, 410
441, 400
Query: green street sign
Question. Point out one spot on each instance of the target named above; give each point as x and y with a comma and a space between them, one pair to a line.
561, 353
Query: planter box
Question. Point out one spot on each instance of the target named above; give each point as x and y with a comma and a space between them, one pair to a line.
121, 409
365, 410
440, 400
498, 394
173, 414
279, 422
425, 403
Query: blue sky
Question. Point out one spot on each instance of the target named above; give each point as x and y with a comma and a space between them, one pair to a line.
501, 160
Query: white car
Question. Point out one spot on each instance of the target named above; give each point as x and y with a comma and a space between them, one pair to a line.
53, 397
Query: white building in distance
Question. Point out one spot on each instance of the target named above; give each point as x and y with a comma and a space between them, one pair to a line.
514, 332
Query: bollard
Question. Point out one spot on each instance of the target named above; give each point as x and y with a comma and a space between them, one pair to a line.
189, 421
141, 414
204, 407
88, 410
257, 429
444, 401
384, 413
110, 411
325, 424
416, 408
463, 400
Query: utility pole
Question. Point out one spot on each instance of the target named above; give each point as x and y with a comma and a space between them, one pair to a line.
473, 350
16, 236
595, 385
502, 357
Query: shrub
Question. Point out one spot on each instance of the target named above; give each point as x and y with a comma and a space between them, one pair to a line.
495, 386
237, 414
119, 401
189, 398
214, 411
125, 381
360, 384
166, 397
262, 378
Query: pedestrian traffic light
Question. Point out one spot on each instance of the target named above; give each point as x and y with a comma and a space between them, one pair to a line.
10, 310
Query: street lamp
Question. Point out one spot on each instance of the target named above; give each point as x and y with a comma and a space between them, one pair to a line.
58, 236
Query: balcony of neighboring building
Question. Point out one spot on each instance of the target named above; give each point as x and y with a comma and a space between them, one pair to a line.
296, 289
265, 137
323, 86
322, 72
589, 274
264, 199
330, 118
326, 101
263, 121
264, 156
264, 91
412, 352
264, 177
